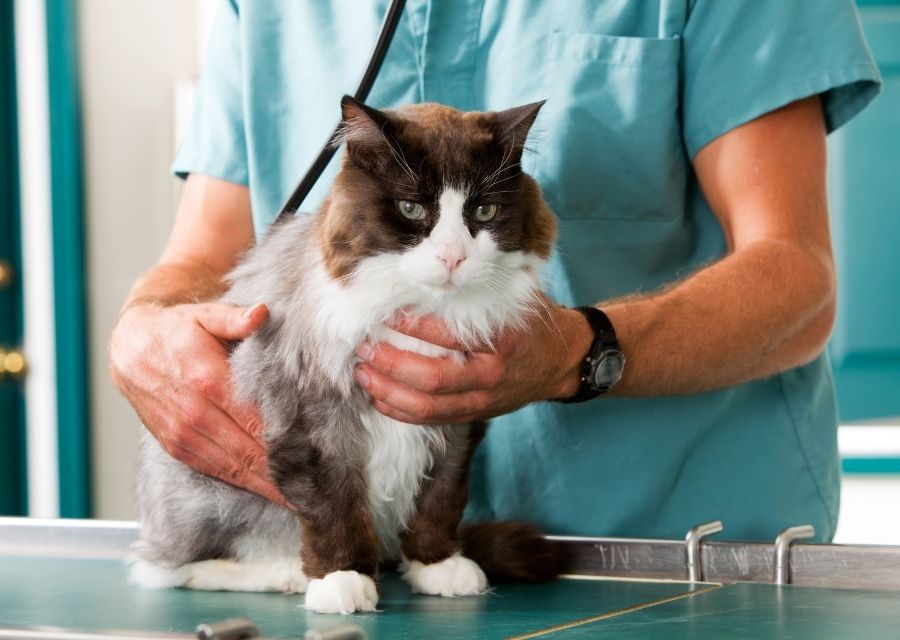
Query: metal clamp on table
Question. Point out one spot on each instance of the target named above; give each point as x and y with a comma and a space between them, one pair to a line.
783, 550
692, 547
842, 566
230, 629
337, 632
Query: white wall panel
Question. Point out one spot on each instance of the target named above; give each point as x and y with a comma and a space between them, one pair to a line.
133, 56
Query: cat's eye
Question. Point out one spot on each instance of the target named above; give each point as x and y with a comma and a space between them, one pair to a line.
410, 209
484, 212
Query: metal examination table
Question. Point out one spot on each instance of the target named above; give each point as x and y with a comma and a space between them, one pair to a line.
66, 580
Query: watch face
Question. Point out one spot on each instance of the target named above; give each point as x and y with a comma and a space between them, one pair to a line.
608, 370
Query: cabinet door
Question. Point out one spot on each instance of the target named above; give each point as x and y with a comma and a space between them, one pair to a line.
12, 398
864, 186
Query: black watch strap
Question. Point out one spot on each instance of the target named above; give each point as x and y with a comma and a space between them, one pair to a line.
604, 340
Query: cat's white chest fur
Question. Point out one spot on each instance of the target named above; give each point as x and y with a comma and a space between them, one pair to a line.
400, 456
344, 313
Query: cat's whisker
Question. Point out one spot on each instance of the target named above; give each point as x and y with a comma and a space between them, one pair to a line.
496, 284
491, 193
497, 173
507, 155
376, 272
401, 160
547, 318
406, 164
490, 176
504, 269
502, 180
403, 186
371, 272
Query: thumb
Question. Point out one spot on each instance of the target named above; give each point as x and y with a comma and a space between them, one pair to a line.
228, 322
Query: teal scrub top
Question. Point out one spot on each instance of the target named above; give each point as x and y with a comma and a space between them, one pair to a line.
634, 90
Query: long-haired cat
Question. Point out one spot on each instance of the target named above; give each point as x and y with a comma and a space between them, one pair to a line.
430, 213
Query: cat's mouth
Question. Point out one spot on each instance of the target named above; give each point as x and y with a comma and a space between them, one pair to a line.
444, 288
449, 285
455, 282
441, 288
443, 283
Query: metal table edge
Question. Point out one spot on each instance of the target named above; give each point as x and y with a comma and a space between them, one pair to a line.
825, 565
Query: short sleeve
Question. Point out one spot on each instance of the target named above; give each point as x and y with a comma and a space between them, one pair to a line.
214, 143
744, 59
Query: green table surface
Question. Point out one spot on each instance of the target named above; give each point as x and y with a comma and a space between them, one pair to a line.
93, 594
745, 610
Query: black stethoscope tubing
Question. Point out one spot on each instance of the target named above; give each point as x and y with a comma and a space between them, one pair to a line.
385, 37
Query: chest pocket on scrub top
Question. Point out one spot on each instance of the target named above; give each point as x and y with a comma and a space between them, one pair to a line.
609, 139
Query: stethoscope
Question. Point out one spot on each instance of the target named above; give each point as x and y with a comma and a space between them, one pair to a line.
385, 37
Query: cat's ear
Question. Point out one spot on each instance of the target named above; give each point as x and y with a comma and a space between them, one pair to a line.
514, 124
361, 125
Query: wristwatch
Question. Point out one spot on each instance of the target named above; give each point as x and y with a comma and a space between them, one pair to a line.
604, 363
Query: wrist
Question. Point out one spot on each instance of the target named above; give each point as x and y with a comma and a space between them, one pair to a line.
603, 364
139, 303
172, 283
578, 339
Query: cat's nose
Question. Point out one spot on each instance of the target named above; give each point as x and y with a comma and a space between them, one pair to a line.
451, 260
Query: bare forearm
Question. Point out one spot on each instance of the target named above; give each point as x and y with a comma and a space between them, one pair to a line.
168, 284
213, 228
759, 311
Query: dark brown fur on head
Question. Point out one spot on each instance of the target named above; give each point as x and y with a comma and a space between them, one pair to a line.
411, 153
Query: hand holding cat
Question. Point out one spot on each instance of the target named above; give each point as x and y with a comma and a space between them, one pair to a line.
536, 362
172, 365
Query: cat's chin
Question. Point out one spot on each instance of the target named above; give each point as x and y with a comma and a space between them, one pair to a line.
451, 297
447, 289
439, 283
431, 289
459, 285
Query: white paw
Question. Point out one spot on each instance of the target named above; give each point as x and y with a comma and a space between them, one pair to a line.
284, 575
342, 592
455, 576
151, 576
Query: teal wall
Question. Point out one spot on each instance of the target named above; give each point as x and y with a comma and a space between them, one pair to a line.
864, 182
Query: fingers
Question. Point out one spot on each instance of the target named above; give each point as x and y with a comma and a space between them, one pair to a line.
396, 414
255, 484
428, 329
213, 381
418, 407
214, 444
228, 322
432, 375
212, 378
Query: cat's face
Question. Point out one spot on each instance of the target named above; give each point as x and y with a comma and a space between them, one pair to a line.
435, 198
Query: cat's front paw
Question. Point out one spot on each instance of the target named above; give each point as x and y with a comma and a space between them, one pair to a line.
455, 576
342, 592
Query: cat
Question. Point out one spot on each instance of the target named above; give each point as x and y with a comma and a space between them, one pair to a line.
430, 213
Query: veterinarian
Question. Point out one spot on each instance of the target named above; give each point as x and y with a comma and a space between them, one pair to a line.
682, 146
